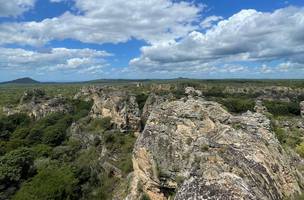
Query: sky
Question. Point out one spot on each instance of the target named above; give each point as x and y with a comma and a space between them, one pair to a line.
77, 40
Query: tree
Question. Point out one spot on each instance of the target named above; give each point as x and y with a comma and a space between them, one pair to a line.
15, 165
51, 183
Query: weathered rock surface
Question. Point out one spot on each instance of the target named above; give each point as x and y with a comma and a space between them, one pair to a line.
259, 107
153, 101
302, 108
281, 93
197, 150
37, 104
192, 92
121, 106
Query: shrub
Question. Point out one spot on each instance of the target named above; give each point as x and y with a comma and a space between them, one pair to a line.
300, 149
10, 123
281, 135
145, 197
141, 100
19, 119
7, 146
81, 108
100, 125
15, 166
42, 150
35, 135
53, 182
238, 105
21, 133
54, 135
278, 108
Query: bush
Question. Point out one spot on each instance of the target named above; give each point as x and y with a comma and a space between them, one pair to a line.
54, 135
7, 146
238, 105
35, 135
81, 108
42, 150
300, 149
53, 183
102, 124
19, 119
145, 197
10, 123
21, 133
141, 100
122, 145
278, 108
281, 135
15, 166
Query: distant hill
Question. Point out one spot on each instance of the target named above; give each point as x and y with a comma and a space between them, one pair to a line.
26, 80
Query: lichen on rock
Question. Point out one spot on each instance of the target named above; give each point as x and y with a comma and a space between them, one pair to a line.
195, 149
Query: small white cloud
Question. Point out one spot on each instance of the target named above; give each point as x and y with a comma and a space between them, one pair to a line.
209, 21
265, 69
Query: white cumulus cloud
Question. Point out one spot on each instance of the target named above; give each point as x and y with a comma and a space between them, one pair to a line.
56, 59
13, 8
104, 21
247, 36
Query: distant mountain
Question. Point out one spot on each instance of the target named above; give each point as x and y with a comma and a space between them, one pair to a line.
25, 80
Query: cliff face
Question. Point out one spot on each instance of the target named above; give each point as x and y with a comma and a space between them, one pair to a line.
120, 106
194, 149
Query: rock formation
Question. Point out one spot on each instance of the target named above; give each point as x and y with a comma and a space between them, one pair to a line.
121, 106
259, 107
194, 149
37, 104
153, 101
302, 108
190, 91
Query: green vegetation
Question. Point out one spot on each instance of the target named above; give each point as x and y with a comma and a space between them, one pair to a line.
141, 100
279, 108
54, 182
102, 124
238, 105
145, 197
25, 141
300, 149
15, 166
122, 145
38, 160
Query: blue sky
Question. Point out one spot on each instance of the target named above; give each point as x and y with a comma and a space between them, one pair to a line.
74, 40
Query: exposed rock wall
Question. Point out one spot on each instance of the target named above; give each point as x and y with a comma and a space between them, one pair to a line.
121, 106
197, 150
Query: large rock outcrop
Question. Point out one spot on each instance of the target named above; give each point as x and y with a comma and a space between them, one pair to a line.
194, 149
119, 105
37, 104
